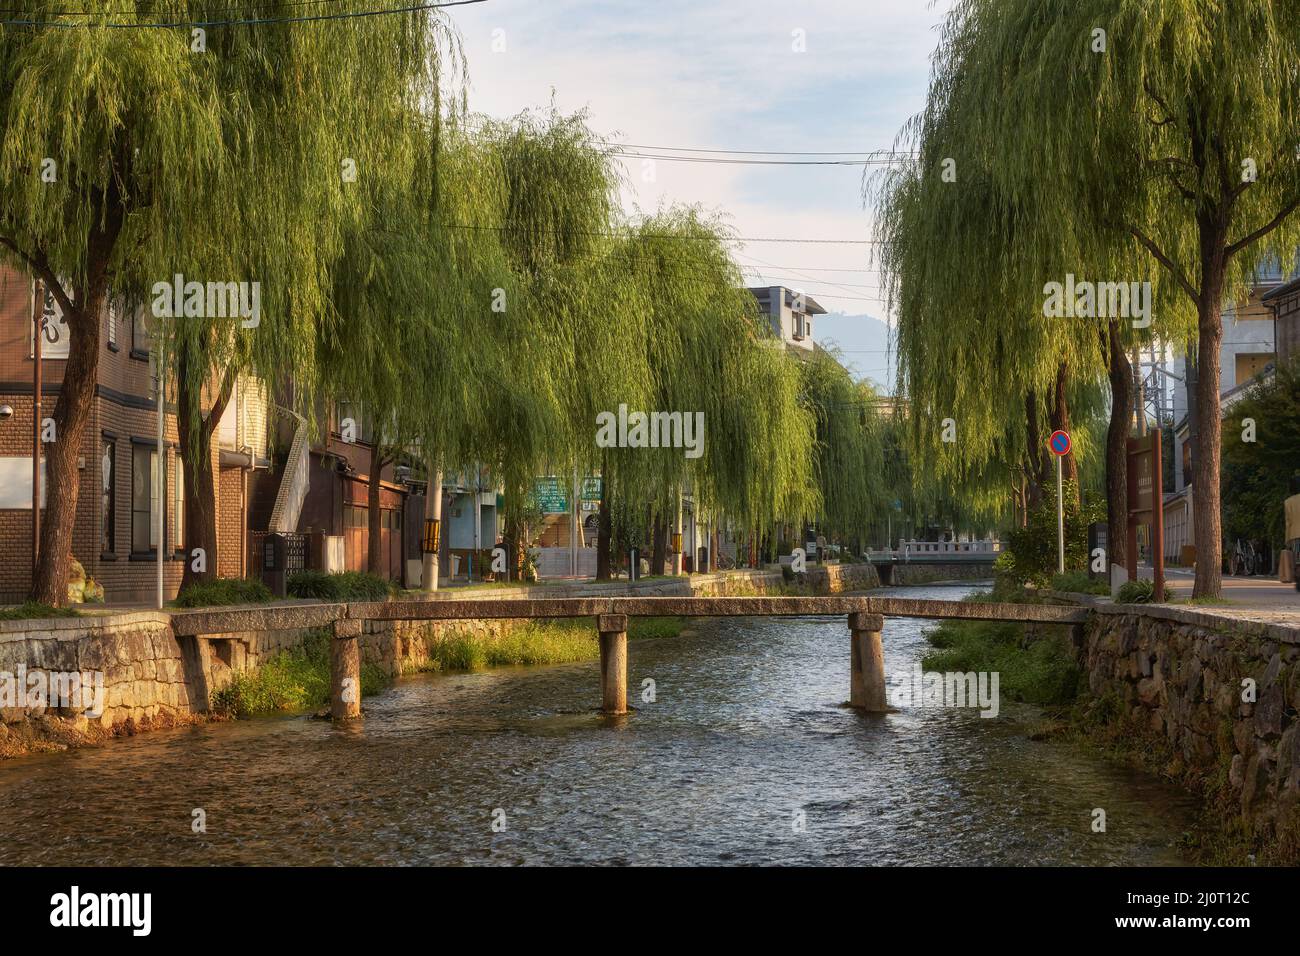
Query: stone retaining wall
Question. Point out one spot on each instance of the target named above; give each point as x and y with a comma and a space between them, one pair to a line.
1183, 677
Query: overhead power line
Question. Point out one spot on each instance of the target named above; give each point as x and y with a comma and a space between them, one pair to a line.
726, 161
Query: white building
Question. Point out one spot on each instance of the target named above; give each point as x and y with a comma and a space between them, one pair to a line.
790, 314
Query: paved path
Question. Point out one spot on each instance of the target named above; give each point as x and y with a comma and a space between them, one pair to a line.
1257, 591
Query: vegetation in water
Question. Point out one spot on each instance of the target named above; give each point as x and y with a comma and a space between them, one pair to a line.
1036, 667
562, 641
295, 680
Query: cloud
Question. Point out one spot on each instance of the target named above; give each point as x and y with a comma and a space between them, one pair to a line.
725, 76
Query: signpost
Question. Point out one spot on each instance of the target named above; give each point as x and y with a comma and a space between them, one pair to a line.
1059, 443
1146, 505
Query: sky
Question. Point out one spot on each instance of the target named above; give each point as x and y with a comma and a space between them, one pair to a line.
757, 75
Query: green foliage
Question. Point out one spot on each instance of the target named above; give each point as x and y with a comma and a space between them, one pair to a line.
1038, 670
1030, 555
560, 641
297, 679
222, 591
1079, 582
34, 609
1141, 592
1167, 156
343, 586
1256, 476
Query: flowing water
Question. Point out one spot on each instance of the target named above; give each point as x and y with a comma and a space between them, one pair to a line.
746, 756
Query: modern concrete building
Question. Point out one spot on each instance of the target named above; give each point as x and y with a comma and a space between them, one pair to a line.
790, 313
1284, 303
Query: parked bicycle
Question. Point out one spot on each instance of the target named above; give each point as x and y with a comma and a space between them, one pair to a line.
1243, 560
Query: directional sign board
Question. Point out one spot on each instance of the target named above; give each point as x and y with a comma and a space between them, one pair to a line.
1059, 443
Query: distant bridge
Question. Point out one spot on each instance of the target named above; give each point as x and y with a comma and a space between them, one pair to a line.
865, 619
939, 552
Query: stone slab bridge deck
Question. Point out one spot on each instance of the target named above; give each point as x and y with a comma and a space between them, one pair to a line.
865, 621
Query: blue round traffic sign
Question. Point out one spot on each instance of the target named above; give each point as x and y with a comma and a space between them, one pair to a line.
1059, 442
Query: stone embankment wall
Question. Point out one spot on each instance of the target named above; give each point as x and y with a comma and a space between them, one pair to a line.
930, 573
152, 678
1218, 691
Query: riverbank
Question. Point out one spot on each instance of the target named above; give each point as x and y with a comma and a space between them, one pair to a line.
144, 676
299, 679
1205, 698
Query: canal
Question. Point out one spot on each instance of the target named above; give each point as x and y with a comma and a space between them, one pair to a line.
744, 757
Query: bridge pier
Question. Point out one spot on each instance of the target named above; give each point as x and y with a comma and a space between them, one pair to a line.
345, 670
613, 662
867, 663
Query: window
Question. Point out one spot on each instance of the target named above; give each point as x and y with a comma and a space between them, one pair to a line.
144, 498
114, 309
1250, 364
141, 341
108, 474
178, 506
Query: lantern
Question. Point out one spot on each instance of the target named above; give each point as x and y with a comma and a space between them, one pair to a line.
429, 544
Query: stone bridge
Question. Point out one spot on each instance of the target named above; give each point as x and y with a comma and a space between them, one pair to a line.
865, 623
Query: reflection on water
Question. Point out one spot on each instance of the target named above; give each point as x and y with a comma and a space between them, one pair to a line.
745, 740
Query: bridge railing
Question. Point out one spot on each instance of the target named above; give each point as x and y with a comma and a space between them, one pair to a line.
907, 549
865, 619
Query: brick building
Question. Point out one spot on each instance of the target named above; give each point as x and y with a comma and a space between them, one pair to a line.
117, 530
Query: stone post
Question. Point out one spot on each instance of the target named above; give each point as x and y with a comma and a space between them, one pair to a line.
867, 663
345, 670
613, 662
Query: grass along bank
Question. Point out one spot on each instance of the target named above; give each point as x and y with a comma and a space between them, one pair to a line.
299, 679
555, 641
1035, 663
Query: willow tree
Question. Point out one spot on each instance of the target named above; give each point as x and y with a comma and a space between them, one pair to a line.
130, 151
552, 218
710, 357
986, 374
849, 460
1166, 134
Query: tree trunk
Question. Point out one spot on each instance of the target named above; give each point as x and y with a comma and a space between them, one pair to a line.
1121, 408
194, 437
659, 552
1061, 422
73, 407
603, 535
1036, 451
374, 533
1206, 515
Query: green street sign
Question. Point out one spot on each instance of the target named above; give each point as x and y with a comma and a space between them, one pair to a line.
591, 489
550, 496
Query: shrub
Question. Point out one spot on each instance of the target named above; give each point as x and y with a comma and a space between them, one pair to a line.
224, 591
1030, 556
345, 586
1078, 582
1141, 592
34, 609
